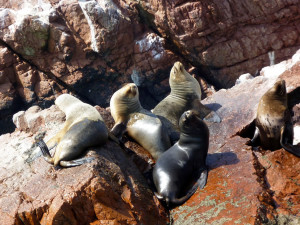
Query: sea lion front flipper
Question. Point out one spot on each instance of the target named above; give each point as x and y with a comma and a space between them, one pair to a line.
206, 113
286, 140
160, 197
76, 162
256, 137
212, 117
202, 179
45, 151
118, 130
112, 137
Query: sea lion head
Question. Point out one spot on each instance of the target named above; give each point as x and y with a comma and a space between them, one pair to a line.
182, 83
278, 91
125, 101
177, 74
66, 100
129, 92
191, 123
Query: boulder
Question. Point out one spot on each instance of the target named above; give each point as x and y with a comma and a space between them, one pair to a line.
247, 185
226, 38
82, 47
109, 190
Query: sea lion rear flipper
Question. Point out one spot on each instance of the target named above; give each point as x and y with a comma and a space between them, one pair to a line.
286, 139
179, 201
118, 130
76, 162
45, 151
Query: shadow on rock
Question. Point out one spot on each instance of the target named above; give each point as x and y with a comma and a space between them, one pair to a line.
213, 106
220, 159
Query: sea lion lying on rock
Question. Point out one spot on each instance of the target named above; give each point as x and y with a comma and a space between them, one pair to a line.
83, 128
140, 124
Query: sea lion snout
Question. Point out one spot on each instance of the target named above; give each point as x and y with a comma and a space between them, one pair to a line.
132, 89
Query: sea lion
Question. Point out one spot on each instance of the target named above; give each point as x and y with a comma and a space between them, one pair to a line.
182, 169
83, 128
185, 95
141, 125
274, 127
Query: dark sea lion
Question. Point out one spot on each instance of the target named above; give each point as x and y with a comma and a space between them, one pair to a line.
274, 127
182, 169
140, 124
83, 128
185, 95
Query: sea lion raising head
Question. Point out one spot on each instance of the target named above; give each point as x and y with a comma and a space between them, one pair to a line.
185, 95
182, 168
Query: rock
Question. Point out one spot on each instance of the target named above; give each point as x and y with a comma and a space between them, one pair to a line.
226, 38
243, 78
109, 190
48, 47
246, 186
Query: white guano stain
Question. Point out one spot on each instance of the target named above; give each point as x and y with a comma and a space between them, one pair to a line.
271, 58
296, 135
84, 4
39, 12
152, 43
275, 70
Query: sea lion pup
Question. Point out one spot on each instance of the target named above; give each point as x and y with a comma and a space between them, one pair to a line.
185, 95
274, 127
84, 128
141, 125
182, 169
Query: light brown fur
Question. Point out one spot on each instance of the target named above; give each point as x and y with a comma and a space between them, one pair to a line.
140, 124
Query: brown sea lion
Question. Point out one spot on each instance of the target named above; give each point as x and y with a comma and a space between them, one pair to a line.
83, 128
182, 169
185, 95
274, 127
140, 124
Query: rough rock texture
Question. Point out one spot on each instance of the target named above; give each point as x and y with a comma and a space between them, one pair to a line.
227, 38
109, 190
245, 185
50, 46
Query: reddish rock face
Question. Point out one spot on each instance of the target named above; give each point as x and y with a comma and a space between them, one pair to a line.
227, 38
109, 190
84, 47
245, 186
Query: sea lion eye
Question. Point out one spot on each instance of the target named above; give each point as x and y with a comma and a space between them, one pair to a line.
175, 70
280, 89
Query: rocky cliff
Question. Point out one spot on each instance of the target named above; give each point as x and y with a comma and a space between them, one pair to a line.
245, 185
91, 47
